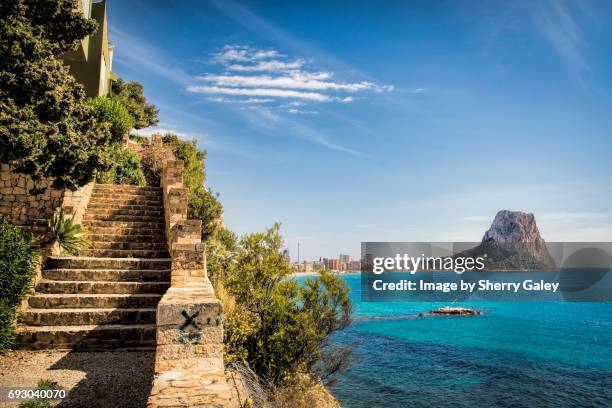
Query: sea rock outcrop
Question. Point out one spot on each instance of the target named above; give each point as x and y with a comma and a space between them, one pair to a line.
513, 242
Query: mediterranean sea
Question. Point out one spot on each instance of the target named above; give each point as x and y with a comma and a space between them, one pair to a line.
518, 354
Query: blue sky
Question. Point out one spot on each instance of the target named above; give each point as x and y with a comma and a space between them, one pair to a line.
392, 121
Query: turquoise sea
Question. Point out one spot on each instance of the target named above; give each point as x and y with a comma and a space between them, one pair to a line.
524, 354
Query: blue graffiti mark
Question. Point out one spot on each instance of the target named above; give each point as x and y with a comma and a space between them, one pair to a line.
191, 335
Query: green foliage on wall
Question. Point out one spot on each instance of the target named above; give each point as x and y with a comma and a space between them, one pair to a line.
202, 203
277, 325
125, 168
115, 114
19, 253
47, 127
130, 94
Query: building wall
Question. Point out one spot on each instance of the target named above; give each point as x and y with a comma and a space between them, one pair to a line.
91, 64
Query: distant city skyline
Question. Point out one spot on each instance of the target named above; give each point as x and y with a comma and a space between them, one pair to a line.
395, 121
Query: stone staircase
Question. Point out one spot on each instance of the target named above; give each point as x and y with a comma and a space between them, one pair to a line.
107, 297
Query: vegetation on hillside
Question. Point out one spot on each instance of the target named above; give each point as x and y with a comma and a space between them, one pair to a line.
19, 253
276, 325
202, 203
47, 126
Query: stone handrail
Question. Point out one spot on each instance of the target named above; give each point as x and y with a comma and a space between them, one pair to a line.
189, 321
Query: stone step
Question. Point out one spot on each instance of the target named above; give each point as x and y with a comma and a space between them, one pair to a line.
124, 187
109, 275
115, 205
137, 201
106, 263
121, 232
100, 287
126, 237
155, 212
123, 218
126, 195
51, 301
86, 337
145, 225
124, 253
78, 317
153, 246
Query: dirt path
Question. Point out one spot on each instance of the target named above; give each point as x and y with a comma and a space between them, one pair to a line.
93, 379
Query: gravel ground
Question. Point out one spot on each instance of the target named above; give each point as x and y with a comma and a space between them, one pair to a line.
92, 378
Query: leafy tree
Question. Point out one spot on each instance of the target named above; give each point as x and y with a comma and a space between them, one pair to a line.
47, 128
278, 326
130, 94
125, 168
114, 113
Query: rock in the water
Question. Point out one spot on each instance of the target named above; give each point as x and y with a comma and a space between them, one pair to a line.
513, 242
455, 311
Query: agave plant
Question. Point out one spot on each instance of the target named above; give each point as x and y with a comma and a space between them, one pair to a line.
70, 236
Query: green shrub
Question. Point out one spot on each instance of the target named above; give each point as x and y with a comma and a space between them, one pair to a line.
35, 404
19, 253
70, 236
47, 385
142, 140
125, 168
275, 325
114, 113
194, 174
204, 205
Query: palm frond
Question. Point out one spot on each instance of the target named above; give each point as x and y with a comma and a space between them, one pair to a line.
70, 236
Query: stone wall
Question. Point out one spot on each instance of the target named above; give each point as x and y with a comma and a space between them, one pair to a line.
19, 204
189, 367
32, 203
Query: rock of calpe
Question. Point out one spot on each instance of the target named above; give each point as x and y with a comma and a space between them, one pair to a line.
513, 242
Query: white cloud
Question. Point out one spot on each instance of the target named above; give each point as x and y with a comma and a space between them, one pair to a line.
273, 66
297, 80
241, 101
279, 93
162, 130
243, 54
265, 74
296, 111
